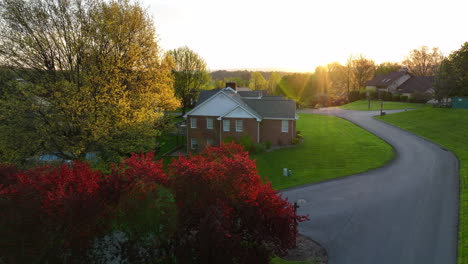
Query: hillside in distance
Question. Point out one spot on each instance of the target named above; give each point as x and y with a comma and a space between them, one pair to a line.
242, 74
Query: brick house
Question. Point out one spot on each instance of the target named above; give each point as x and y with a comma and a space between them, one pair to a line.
223, 113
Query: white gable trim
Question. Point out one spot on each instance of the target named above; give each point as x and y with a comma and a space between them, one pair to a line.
210, 99
229, 88
245, 110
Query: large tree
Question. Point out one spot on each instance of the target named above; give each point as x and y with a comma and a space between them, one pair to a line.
300, 87
387, 67
362, 70
273, 81
445, 81
190, 75
337, 73
452, 76
423, 61
257, 81
91, 78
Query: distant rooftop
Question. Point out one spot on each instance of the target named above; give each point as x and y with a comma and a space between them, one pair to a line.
243, 89
385, 80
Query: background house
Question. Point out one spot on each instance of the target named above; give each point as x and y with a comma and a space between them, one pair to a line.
388, 82
402, 83
226, 113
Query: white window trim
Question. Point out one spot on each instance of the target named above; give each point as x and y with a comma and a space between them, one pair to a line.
241, 127
226, 128
193, 142
193, 122
283, 130
209, 121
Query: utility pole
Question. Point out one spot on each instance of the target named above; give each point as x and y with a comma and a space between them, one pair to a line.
368, 101
381, 104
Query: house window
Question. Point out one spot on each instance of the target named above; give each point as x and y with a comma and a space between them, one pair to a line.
193, 122
239, 125
226, 125
284, 126
209, 141
209, 123
194, 143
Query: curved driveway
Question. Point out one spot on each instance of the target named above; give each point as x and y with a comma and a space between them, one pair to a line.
404, 212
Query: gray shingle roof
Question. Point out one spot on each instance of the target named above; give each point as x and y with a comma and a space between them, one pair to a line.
250, 93
266, 107
205, 94
273, 108
385, 80
273, 97
417, 84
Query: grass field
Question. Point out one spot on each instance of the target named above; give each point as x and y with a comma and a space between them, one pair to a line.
332, 148
449, 128
375, 105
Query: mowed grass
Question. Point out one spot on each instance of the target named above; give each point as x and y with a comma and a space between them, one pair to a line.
449, 128
332, 148
362, 105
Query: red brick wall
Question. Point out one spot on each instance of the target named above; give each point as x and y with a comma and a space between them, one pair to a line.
249, 128
201, 133
270, 130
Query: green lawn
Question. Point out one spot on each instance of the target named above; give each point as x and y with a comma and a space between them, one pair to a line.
375, 105
449, 128
332, 148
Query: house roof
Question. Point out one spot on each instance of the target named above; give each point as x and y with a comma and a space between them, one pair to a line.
243, 89
417, 84
385, 80
260, 107
273, 97
246, 109
205, 94
256, 93
273, 108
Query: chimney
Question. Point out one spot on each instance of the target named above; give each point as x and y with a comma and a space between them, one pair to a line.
232, 85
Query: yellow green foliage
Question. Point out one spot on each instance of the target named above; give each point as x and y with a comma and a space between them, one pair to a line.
95, 79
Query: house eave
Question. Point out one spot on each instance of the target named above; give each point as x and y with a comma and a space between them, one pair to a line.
281, 118
211, 98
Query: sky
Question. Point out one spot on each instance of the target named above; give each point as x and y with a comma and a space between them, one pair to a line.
299, 35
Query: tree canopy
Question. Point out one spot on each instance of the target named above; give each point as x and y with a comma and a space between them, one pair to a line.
387, 67
452, 76
91, 78
423, 61
362, 70
257, 81
190, 75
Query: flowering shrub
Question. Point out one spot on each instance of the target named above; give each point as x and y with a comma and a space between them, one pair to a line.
213, 208
226, 213
52, 210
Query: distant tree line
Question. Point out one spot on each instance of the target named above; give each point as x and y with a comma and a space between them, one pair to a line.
335, 83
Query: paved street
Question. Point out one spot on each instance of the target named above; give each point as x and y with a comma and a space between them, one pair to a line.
404, 212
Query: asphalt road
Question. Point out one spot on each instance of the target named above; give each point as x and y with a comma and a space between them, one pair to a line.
404, 212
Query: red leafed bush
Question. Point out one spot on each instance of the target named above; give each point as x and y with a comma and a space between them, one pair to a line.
49, 211
226, 213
